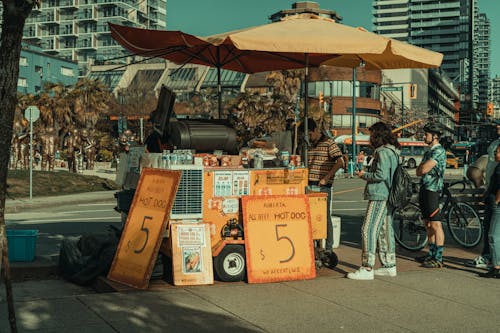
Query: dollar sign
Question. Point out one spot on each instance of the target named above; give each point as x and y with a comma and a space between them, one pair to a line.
262, 256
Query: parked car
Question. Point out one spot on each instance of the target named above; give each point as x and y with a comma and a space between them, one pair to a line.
451, 160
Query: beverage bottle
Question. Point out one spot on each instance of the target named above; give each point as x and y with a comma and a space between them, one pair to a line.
189, 157
164, 160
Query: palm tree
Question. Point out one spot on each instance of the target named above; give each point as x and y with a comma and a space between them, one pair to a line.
90, 101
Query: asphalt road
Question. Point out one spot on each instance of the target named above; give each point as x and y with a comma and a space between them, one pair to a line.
63, 221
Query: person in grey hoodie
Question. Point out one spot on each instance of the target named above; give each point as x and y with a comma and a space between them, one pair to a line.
377, 226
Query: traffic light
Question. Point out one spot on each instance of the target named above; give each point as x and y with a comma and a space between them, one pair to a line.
489, 109
321, 97
413, 91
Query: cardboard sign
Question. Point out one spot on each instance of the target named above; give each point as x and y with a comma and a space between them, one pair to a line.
278, 238
138, 248
191, 254
318, 204
278, 181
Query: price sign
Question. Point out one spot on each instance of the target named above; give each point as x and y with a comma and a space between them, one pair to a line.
141, 238
278, 238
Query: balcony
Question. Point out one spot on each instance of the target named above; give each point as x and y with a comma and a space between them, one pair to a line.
69, 4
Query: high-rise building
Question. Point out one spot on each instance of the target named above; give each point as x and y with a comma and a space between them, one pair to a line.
441, 26
78, 30
495, 90
452, 27
482, 50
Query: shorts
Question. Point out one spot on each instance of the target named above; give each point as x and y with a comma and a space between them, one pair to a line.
429, 205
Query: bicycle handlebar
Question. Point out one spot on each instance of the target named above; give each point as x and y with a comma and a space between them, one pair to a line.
463, 182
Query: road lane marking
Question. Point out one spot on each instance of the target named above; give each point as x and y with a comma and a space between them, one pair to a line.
86, 211
351, 190
98, 204
117, 218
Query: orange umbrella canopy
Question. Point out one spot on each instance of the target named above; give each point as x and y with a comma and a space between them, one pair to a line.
276, 46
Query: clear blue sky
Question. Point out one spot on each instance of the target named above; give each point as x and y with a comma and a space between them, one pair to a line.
207, 17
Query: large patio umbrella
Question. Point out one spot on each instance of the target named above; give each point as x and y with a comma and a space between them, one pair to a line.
393, 57
297, 41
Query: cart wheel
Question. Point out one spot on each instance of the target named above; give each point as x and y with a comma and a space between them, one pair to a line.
330, 259
230, 264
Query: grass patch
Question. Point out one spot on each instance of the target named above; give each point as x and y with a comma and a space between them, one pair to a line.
50, 183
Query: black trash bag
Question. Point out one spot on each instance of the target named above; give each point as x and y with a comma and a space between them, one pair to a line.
83, 259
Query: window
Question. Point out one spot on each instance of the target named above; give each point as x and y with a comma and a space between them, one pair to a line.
67, 71
23, 61
21, 82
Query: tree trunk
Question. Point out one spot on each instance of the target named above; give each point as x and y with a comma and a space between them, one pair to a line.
15, 13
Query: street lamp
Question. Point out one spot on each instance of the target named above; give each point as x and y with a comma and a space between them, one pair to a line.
362, 65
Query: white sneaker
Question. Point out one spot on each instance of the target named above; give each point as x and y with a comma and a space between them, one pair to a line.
479, 262
386, 271
361, 274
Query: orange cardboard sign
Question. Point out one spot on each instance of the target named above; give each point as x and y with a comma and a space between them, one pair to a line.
278, 238
141, 238
318, 204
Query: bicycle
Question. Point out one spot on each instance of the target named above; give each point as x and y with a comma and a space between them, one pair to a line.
463, 222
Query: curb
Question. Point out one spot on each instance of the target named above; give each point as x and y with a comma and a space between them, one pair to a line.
16, 206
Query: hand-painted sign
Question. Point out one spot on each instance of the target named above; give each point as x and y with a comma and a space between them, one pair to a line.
278, 238
145, 227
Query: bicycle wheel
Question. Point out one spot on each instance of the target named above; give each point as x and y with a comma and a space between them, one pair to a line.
464, 225
409, 228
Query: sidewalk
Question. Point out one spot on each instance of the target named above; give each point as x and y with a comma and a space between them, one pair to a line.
452, 299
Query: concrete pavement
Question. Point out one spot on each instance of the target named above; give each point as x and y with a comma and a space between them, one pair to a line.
452, 299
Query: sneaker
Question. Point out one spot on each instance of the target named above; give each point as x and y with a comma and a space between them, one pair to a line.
432, 263
423, 258
386, 271
479, 262
361, 274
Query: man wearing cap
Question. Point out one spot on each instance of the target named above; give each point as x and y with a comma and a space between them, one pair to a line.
431, 169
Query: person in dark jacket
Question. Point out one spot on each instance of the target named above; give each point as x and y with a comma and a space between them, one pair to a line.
493, 202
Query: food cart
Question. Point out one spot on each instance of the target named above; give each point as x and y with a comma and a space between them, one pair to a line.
213, 184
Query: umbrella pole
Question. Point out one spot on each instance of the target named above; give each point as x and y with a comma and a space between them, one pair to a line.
353, 119
219, 85
306, 128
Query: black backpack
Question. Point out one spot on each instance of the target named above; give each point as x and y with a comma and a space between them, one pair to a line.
400, 189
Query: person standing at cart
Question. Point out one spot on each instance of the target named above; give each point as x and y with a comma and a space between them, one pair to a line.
431, 169
324, 160
377, 226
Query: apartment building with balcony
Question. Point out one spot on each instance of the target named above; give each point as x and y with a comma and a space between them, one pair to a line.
78, 30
